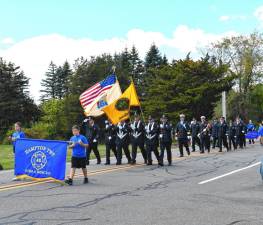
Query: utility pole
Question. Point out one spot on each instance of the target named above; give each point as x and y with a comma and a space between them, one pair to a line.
224, 104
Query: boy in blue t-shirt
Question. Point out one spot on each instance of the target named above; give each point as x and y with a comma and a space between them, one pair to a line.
78, 143
16, 135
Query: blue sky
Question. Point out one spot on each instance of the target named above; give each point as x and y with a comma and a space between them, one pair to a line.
102, 19
34, 32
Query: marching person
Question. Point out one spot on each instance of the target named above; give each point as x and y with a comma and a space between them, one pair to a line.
182, 130
251, 127
79, 144
232, 135
151, 133
195, 130
243, 136
110, 140
92, 134
137, 139
122, 142
222, 134
214, 133
240, 132
204, 135
16, 135
165, 140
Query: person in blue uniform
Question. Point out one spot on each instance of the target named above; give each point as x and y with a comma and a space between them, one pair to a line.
232, 135
205, 130
92, 134
137, 138
151, 138
214, 133
122, 142
182, 131
222, 134
165, 137
195, 130
110, 140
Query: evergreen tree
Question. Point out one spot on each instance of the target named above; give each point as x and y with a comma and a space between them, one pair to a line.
16, 104
153, 57
49, 83
62, 80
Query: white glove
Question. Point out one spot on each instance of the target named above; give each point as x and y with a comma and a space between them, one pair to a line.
86, 120
161, 136
161, 126
109, 137
95, 140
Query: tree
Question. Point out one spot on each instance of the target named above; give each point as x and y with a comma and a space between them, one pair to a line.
244, 54
153, 57
16, 104
187, 86
49, 83
62, 80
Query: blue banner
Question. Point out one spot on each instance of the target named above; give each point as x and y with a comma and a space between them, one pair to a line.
40, 158
252, 135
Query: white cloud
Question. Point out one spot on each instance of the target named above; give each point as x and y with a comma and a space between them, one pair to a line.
232, 17
224, 18
34, 54
7, 41
259, 13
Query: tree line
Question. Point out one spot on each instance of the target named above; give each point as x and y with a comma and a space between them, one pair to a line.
188, 86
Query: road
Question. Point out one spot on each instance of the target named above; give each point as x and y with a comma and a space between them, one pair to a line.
149, 195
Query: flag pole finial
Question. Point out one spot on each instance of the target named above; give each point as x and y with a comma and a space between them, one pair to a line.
113, 69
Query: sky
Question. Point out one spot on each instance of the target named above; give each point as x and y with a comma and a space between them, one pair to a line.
34, 32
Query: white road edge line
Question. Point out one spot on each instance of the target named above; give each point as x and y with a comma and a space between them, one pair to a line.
230, 173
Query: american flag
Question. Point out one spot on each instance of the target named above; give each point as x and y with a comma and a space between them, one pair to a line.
88, 96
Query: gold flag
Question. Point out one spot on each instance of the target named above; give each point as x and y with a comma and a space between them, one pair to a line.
120, 109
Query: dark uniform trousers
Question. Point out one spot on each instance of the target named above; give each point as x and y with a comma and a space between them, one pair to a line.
93, 147
232, 141
110, 146
166, 146
222, 140
125, 147
183, 142
214, 142
205, 142
195, 140
151, 147
135, 145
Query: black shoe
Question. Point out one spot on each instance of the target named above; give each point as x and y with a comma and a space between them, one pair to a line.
107, 163
69, 181
170, 163
133, 162
149, 163
118, 163
160, 163
202, 152
98, 162
86, 180
129, 162
188, 152
181, 156
220, 151
145, 161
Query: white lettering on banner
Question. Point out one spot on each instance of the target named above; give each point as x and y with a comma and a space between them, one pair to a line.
40, 148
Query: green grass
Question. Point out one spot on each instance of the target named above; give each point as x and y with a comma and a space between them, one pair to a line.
7, 156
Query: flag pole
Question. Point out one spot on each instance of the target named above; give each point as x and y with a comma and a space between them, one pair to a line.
140, 103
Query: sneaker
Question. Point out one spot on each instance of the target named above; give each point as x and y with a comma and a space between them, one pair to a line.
69, 181
86, 180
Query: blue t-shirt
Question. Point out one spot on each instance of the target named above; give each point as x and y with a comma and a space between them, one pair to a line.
79, 151
17, 135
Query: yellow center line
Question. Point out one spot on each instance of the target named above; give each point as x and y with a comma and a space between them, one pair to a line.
93, 173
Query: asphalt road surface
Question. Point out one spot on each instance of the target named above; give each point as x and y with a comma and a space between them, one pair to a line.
150, 195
